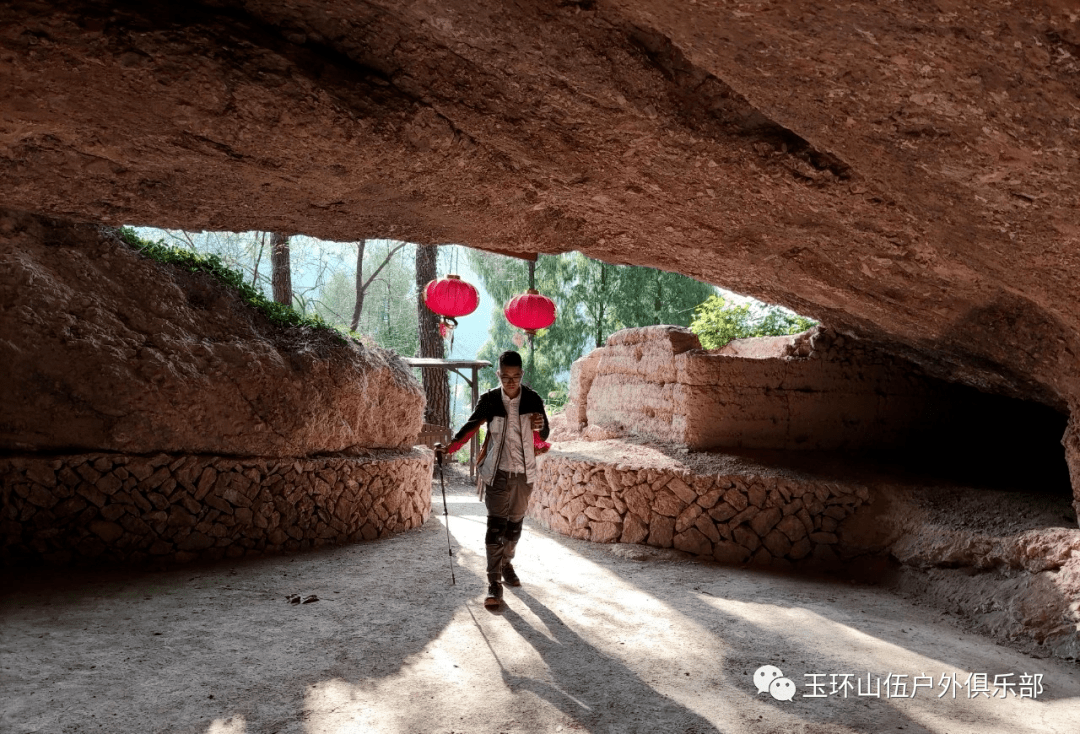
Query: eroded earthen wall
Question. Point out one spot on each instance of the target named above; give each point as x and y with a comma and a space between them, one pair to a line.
1071, 441
171, 508
814, 392
133, 391
107, 350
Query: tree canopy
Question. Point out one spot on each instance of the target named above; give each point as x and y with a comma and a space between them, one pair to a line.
593, 299
389, 310
716, 323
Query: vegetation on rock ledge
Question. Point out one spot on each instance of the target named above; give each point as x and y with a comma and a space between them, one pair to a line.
716, 322
279, 314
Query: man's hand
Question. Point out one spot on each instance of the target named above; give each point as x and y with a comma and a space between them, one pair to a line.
537, 422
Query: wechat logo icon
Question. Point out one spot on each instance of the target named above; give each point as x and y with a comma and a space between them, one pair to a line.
770, 679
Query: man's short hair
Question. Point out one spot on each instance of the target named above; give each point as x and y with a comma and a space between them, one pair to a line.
509, 358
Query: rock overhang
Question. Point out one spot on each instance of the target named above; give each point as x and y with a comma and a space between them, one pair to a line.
903, 173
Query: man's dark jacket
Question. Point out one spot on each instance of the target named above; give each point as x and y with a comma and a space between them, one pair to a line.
490, 410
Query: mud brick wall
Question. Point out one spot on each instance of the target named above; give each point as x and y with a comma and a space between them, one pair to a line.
816, 392
113, 507
761, 519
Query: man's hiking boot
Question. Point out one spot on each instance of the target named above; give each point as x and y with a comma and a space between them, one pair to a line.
510, 575
494, 595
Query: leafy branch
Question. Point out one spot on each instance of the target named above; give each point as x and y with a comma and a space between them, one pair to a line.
716, 323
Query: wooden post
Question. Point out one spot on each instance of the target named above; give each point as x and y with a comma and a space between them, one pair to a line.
474, 443
474, 388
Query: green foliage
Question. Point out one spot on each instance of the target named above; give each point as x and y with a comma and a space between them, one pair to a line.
716, 323
389, 315
593, 299
555, 401
278, 313
323, 279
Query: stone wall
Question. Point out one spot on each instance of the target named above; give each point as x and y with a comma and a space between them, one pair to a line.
131, 386
731, 516
112, 507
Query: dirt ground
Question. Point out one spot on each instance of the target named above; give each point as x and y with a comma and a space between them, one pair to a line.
599, 639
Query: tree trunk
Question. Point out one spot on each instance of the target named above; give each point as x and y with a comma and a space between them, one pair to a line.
600, 318
280, 269
360, 286
258, 259
436, 380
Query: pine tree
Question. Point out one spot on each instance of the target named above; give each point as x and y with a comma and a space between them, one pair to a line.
436, 380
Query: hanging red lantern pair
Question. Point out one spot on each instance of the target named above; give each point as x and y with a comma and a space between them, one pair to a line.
451, 297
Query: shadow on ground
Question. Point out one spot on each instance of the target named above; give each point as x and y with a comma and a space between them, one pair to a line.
595, 641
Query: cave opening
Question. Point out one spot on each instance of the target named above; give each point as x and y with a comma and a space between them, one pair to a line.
834, 405
990, 441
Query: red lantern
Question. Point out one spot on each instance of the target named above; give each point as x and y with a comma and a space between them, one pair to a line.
530, 311
451, 297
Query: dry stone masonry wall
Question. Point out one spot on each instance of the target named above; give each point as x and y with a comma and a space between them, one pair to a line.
169, 508
732, 518
819, 390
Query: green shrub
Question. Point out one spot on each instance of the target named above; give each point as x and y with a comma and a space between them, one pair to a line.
557, 399
716, 323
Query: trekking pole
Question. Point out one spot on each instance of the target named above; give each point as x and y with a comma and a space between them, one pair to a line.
446, 514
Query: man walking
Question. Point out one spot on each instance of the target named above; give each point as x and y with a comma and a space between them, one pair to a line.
507, 465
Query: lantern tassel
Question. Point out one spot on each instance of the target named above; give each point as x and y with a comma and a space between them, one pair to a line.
447, 325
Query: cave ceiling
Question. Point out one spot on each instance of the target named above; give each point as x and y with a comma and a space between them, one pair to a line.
904, 171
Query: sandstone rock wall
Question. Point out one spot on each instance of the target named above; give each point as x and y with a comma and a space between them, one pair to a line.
731, 517
1071, 441
110, 507
657, 381
106, 350
903, 171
